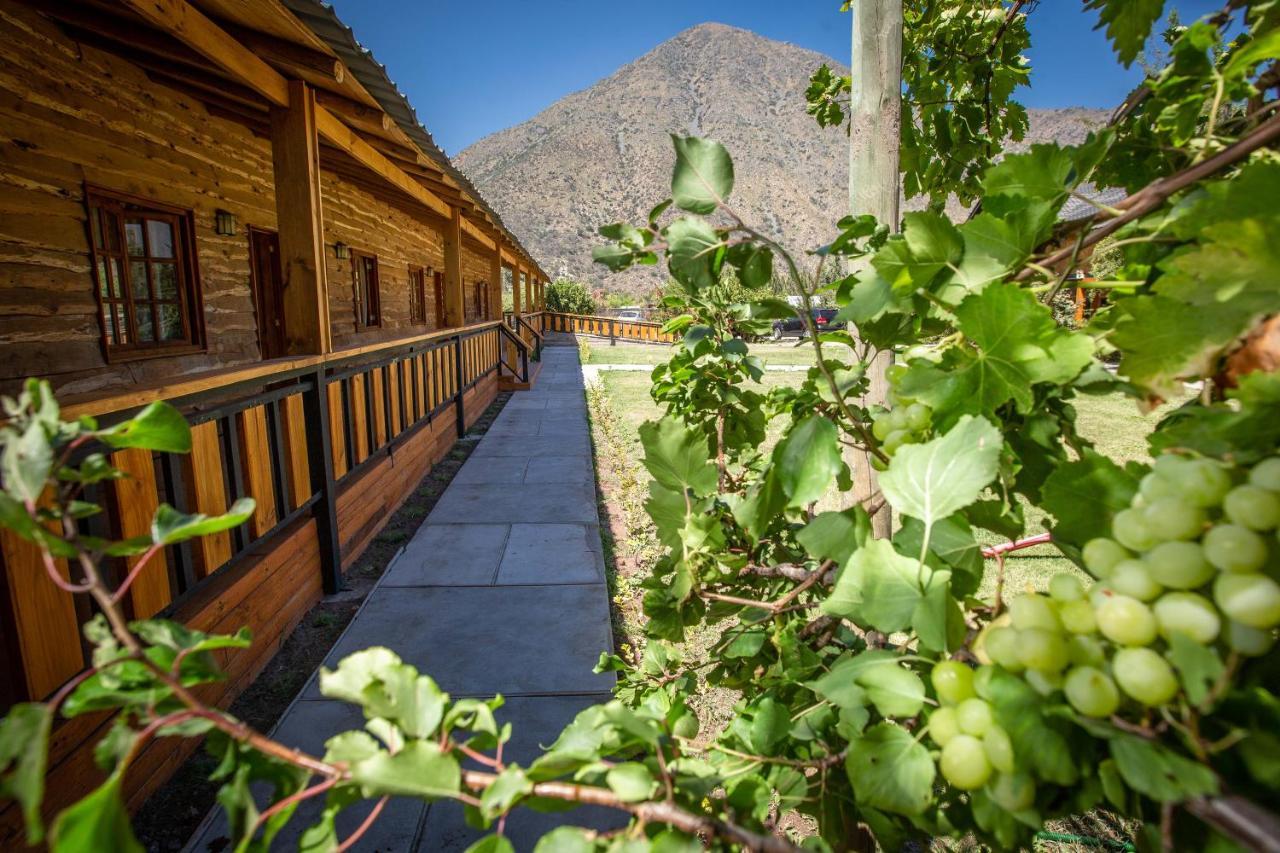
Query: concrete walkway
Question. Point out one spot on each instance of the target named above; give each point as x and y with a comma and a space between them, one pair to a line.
501, 590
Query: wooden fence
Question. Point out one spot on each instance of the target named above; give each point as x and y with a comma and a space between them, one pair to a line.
328, 446
606, 327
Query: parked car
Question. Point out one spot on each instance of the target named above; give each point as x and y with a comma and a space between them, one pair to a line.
630, 316
824, 320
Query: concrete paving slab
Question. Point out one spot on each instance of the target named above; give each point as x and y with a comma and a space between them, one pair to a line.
450, 555
307, 726
551, 554
492, 469
534, 445
478, 641
491, 503
558, 469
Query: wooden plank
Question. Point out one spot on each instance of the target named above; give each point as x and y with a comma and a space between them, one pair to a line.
359, 419
255, 457
349, 141
495, 287
337, 430
297, 466
135, 497
295, 156
207, 488
393, 391
379, 408
44, 617
454, 302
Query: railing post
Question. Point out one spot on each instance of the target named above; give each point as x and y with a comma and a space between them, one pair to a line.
320, 454
457, 373
613, 332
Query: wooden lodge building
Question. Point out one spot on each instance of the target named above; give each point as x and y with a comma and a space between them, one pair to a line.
228, 205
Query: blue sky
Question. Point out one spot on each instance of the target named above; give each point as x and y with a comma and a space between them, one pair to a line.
472, 67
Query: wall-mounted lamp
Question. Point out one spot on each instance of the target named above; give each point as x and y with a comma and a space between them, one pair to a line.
224, 222
341, 251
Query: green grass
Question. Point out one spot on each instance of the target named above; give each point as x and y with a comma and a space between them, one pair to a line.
785, 353
1113, 422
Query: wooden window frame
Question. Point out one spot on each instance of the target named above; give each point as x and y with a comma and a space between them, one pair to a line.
190, 300
417, 295
371, 317
437, 285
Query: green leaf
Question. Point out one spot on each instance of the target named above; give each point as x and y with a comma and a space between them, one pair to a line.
1128, 24
881, 588
807, 460
355, 672
24, 749
691, 253
770, 723
159, 426
835, 535
171, 526
411, 701
894, 690
176, 636
1085, 495
418, 770
1244, 429
1197, 664
677, 457
509, 788
566, 839
98, 822
703, 175
26, 462
632, 782
890, 770
930, 481
1037, 742
491, 844
1159, 773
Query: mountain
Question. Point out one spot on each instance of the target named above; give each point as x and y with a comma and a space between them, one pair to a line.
603, 154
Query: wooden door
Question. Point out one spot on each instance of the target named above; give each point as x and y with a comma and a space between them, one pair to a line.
438, 286
268, 291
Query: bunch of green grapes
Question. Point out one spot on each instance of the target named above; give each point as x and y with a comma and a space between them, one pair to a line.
1196, 553
904, 422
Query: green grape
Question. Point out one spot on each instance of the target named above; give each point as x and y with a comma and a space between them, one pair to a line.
1250, 642
1091, 692
1253, 507
952, 681
1233, 548
1202, 482
918, 417
1153, 487
686, 726
1266, 474
1169, 466
1001, 645
1249, 599
895, 372
1126, 621
964, 763
1131, 578
1189, 614
895, 439
1102, 554
1033, 611
974, 716
982, 680
943, 725
1013, 792
1044, 683
1178, 565
1077, 617
881, 426
1145, 676
999, 749
1042, 650
1173, 518
1086, 651
1065, 587
1130, 529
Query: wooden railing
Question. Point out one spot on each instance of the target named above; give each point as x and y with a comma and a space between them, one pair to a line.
606, 327
301, 436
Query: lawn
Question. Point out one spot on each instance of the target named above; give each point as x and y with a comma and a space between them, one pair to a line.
784, 353
1113, 422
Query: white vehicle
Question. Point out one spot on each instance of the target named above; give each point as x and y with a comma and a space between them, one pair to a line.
629, 315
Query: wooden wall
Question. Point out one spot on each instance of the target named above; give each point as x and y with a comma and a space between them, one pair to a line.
70, 114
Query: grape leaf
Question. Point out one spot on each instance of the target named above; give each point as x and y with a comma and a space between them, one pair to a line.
932, 480
1160, 773
1085, 495
835, 535
807, 460
1245, 431
24, 746
1128, 24
420, 769
1198, 664
691, 254
677, 457
890, 770
703, 174
98, 822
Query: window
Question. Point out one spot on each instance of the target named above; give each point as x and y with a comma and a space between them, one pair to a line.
439, 299
365, 280
145, 272
481, 309
417, 296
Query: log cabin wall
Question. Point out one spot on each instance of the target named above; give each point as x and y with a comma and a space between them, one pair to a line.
475, 271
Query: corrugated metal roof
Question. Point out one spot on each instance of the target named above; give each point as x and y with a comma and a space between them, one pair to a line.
1079, 208
321, 18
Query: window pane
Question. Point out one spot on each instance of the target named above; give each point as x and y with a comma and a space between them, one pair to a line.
122, 327
104, 280
117, 278
146, 324
133, 236
138, 281
108, 325
110, 230
170, 323
166, 279
95, 226
160, 238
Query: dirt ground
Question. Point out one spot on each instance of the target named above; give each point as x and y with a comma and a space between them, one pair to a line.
168, 819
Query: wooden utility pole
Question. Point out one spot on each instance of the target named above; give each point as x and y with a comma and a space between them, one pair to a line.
875, 134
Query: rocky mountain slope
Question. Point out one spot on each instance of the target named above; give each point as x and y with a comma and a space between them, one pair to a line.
603, 154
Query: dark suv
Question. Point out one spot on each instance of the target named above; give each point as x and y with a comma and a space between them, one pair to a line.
824, 320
